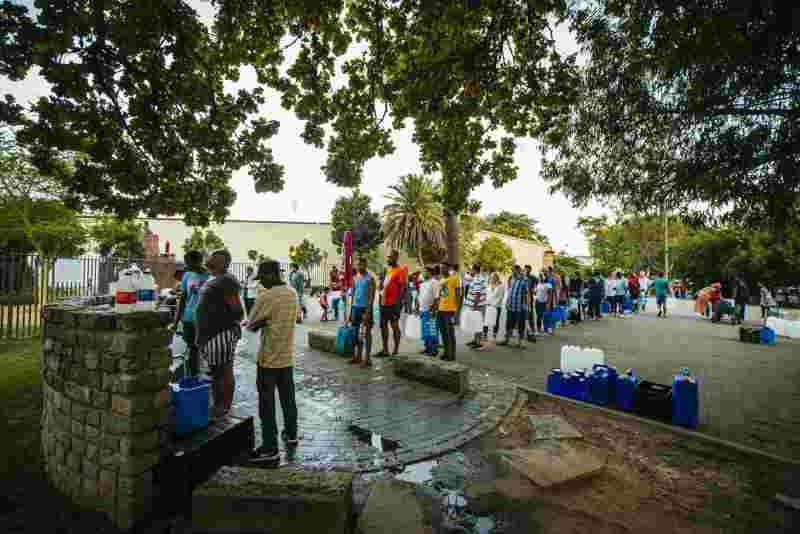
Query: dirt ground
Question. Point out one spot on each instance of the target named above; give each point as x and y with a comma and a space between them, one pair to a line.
654, 481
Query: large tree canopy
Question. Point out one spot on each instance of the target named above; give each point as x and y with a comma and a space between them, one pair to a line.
138, 96
139, 88
691, 105
514, 224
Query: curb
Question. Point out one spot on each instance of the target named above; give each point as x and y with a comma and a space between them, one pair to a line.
690, 434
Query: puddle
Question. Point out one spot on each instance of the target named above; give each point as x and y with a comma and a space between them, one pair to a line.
373, 439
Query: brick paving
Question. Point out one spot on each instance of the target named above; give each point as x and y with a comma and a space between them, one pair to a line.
332, 395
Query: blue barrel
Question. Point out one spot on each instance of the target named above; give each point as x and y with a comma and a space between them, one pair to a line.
627, 305
604, 307
190, 400
626, 387
767, 336
598, 387
685, 400
554, 381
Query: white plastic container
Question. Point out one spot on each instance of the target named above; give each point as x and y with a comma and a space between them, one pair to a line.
146, 293
792, 329
778, 325
125, 292
574, 358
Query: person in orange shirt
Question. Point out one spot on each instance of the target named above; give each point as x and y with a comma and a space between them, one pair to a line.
392, 293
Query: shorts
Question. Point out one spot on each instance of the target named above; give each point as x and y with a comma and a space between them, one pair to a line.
390, 312
220, 349
661, 299
359, 313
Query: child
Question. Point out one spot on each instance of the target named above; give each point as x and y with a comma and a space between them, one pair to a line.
323, 303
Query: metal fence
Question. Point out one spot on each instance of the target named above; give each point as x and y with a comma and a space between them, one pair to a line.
27, 283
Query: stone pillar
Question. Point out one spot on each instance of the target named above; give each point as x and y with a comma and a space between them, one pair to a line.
105, 425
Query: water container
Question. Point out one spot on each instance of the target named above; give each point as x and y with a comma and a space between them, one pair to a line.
598, 387
125, 296
581, 386
685, 400
190, 398
778, 325
627, 305
653, 400
604, 307
625, 391
345, 340
767, 336
611, 383
146, 293
554, 380
792, 329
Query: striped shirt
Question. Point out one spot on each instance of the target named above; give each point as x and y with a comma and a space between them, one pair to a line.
477, 293
221, 348
518, 294
278, 307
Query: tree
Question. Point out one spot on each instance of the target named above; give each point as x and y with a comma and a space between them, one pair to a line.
664, 121
115, 237
413, 217
305, 255
33, 218
515, 225
138, 91
567, 264
495, 256
203, 241
355, 211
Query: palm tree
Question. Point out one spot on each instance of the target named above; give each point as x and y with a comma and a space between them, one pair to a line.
413, 218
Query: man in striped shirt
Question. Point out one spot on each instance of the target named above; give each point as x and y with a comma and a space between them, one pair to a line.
517, 306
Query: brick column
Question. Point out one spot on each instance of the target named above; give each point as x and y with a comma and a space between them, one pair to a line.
105, 424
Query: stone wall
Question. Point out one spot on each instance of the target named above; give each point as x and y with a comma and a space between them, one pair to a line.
106, 407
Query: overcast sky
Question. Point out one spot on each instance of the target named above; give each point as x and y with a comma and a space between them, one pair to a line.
308, 197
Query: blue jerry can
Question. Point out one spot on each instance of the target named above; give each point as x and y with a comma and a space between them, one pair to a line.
190, 400
625, 390
554, 381
685, 400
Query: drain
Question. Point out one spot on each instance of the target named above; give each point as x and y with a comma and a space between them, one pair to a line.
373, 439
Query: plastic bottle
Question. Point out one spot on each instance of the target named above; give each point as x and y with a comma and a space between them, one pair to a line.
146, 292
125, 295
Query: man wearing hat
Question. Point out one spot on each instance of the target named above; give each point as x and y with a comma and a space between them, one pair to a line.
219, 312
274, 313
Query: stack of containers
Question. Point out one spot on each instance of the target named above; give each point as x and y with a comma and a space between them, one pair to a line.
573, 358
554, 381
625, 390
602, 385
578, 386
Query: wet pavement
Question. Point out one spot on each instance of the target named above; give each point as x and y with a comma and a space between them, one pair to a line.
396, 421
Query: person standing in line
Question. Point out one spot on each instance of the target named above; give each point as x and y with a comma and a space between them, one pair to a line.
217, 318
449, 300
644, 289
662, 290
323, 304
391, 305
297, 281
251, 284
191, 283
610, 293
715, 299
542, 298
494, 308
476, 305
634, 291
621, 291
364, 288
428, 293
517, 308
741, 298
532, 282
274, 314
767, 301
596, 295
336, 285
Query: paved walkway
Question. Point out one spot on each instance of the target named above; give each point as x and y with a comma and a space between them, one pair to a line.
332, 395
749, 393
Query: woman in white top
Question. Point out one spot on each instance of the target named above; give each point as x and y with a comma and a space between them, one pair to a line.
494, 306
644, 287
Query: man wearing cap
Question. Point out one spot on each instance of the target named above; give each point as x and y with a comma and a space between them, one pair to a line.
274, 314
219, 312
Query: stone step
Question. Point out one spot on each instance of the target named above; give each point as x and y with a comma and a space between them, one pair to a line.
445, 375
274, 501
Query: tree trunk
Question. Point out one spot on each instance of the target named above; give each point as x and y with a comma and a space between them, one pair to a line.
451, 240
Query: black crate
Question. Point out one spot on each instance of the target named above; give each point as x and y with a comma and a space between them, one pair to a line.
653, 400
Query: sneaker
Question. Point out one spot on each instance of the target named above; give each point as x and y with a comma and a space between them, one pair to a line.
262, 455
289, 440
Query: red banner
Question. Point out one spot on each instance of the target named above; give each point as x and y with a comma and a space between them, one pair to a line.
347, 249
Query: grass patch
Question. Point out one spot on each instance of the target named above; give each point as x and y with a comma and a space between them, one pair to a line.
20, 410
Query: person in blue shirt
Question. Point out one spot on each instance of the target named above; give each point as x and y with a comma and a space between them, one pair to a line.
193, 279
364, 287
662, 289
517, 305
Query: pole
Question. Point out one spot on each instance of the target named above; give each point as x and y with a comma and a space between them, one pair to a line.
666, 244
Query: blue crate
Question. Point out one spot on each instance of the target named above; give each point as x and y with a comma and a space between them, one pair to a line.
190, 401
